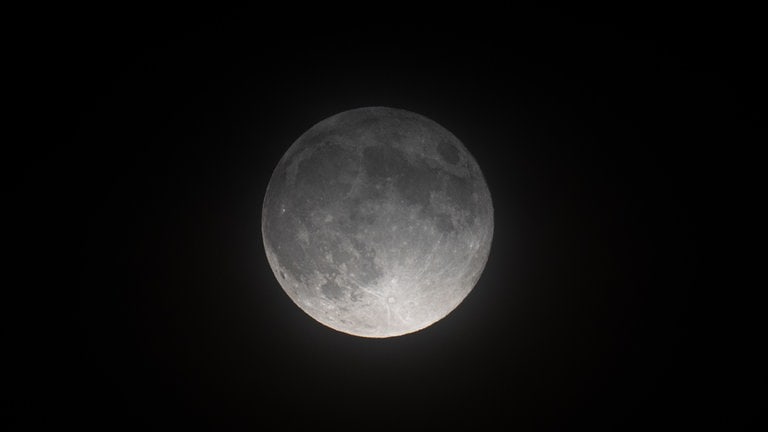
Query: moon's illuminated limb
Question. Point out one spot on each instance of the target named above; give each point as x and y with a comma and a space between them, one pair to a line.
377, 222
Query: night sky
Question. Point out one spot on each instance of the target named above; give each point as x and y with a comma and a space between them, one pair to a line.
594, 131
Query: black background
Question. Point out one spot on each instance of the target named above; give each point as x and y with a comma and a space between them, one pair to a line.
595, 131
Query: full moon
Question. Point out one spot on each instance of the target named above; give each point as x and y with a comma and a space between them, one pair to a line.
377, 222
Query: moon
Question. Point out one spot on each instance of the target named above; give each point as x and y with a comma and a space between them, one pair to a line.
377, 222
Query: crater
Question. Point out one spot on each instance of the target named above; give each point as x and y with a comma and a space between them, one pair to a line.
331, 290
448, 152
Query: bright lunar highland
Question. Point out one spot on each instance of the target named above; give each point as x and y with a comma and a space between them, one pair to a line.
377, 222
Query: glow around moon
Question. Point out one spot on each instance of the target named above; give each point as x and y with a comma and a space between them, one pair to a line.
377, 222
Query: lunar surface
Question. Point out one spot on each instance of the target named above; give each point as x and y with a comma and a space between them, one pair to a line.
377, 222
